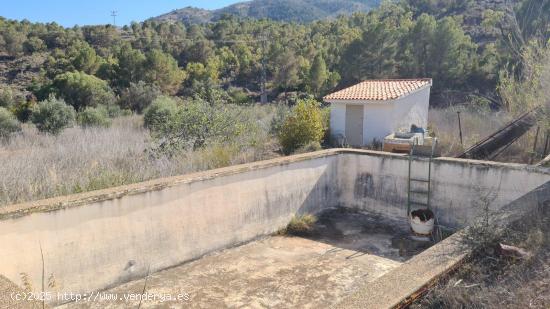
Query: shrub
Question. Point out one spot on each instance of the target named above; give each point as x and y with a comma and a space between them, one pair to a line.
281, 113
239, 96
94, 117
160, 114
23, 109
52, 116
33, 44
304, 125
197, 123
9, 97
139, 96
310, 147
113, 111
82, 90
300, 225
8, 124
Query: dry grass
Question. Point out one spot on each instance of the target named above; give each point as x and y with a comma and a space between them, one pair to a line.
36, 166
477, 123
491, 280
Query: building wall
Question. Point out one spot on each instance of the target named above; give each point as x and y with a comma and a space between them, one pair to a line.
384, 118
337, 120
412, 109
378, 121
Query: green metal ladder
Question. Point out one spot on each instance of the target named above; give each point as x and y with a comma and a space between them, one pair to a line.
425, 184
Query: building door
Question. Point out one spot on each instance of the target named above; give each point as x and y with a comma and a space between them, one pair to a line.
354, 124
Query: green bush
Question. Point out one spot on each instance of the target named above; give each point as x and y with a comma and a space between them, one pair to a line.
82, 90
239, 96
9, 96
282, 111
23, 109
304, 125
94, 117
113, 111
139, 96
196, 123
160, 115
8, 124
52, 116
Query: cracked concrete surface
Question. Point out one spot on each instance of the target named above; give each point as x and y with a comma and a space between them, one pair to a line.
345, 250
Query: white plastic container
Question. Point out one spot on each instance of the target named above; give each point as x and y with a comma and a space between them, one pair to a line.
420, 227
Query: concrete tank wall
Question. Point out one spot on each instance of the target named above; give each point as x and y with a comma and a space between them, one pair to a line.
460, 188
105, 243
96, 240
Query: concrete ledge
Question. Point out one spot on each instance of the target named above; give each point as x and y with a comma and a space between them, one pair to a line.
63, 202
73, 200
404, 282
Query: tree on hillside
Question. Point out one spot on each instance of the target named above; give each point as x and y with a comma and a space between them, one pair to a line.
452, 54
372, 56
12, 41
287, 70
318, 75
416, 55
130, 66
162, 70
84, 58
139, 96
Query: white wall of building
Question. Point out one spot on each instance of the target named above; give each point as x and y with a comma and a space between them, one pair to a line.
338, 119
411, 109
384, 117
378, 121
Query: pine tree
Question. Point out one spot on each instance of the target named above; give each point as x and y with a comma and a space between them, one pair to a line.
318, 74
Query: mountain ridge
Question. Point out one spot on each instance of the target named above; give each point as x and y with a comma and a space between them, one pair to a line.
302, 11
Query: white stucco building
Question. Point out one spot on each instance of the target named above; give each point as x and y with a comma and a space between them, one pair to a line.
373, 109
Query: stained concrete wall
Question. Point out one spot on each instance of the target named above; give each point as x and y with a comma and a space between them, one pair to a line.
96, 240
461, 189
165, 223
402, 285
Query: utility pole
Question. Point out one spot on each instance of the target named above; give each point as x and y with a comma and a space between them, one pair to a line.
460, 129
114, 14
264, 75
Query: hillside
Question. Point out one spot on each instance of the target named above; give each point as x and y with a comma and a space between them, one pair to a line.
279, 10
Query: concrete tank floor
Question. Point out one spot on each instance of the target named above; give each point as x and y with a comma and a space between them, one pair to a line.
345, 250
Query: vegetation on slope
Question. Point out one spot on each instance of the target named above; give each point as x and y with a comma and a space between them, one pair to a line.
196, 84
279, 10
412, 39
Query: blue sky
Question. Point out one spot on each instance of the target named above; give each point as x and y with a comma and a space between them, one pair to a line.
87, 12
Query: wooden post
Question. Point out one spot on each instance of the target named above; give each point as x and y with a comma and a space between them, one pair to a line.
545, 151
460, 129
535, 146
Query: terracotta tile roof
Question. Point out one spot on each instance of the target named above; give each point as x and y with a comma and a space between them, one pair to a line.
379, 90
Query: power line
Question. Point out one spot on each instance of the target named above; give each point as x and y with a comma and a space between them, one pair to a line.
114, 15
